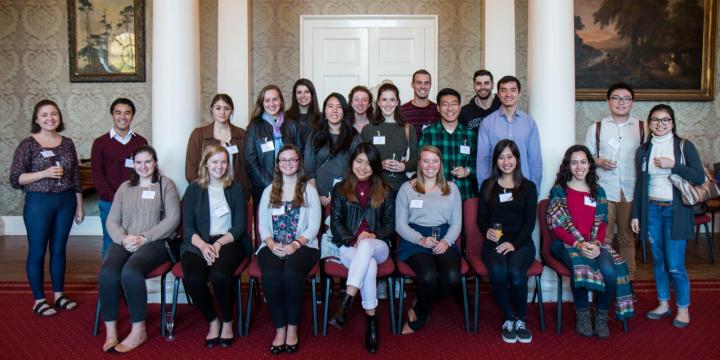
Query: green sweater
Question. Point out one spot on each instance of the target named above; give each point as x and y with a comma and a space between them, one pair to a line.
395, 143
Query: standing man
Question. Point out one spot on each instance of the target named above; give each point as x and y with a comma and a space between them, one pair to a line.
614, 140
510, 123
482, 104
111, 160
420, 112
455, 141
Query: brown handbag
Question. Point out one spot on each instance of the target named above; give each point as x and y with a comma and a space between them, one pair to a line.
693, 194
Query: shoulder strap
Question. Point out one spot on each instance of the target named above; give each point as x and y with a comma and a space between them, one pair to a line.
598, 126
682, 151
641, 125
162, 200
407, 133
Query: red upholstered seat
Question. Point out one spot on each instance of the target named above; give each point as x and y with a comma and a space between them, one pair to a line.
546, 240
336, 269
702, 219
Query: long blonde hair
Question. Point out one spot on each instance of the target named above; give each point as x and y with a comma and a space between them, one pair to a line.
203, 176
441, 183
277, 183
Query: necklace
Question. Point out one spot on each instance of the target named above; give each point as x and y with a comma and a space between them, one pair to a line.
363, 187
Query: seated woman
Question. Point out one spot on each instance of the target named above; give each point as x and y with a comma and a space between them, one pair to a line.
577, 215
289, 219
506, 214
428, 219
145, 210
363, 222
214, 241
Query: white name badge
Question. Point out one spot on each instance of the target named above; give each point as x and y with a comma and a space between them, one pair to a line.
267, 146
278, 211
589, 201
221, 211
47, 153
505, 197
465, 149
233, 149
378, 140
148, 194
614, 143
129, 163
416, 204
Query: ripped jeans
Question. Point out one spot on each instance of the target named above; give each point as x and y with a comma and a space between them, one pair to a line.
668, 255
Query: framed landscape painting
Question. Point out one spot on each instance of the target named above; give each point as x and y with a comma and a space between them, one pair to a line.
106, 40
664, 49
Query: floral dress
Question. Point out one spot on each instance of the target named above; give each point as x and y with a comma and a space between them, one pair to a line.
285, 225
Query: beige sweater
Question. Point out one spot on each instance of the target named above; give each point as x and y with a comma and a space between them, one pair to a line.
130, 214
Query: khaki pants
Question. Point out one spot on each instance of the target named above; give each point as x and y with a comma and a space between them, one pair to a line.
619, 214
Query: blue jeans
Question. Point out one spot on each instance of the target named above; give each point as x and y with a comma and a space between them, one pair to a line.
580, 294
48, 217
668, 256
104, 207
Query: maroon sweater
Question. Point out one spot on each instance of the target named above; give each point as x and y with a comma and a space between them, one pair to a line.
420, 116
363, 199
107, 163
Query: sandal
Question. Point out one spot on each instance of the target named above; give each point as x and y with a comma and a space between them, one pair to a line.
65, 303
41, 309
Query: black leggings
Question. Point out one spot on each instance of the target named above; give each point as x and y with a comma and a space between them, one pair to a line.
436, 276
125, 269
508, 277
284, 283
220, 273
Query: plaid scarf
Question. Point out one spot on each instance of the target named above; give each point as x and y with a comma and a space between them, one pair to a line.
585, 272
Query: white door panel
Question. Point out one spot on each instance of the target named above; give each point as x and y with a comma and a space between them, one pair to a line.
339, 59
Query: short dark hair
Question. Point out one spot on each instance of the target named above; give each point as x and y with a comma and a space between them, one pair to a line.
620, 86
447, 92
123, 101
483, 72
507, 79
421, 72
224, 98
134, 177
34, 127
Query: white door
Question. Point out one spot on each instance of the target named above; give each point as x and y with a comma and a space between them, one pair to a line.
339, 52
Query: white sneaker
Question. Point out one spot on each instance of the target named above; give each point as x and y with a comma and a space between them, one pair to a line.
382, 290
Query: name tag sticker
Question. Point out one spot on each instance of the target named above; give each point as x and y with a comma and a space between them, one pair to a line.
47, 153
278, 211
378, 140
233, 149
221, 211
464, 149
589, 201
614, 143
416, 204
267, 146
148, 194
505, 197
129, 163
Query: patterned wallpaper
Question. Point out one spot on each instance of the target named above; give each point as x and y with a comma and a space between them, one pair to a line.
276, 25
34, 63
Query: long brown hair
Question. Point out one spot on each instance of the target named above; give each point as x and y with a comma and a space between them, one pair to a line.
277, 184
203, 176
259, 108
419, 185
134, 177
378, 117
378, 187
369, 113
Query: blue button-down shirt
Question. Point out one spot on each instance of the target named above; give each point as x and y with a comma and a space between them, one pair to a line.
523, 131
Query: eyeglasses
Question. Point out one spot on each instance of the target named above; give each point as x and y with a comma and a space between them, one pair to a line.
664, 121
618, 99
288, 161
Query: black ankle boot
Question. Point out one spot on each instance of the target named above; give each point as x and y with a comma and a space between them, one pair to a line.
371, 335
338, 319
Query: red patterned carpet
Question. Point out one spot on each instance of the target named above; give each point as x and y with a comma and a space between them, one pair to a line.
68, 335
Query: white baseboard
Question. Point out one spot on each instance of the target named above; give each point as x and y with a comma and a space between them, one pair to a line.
14, 225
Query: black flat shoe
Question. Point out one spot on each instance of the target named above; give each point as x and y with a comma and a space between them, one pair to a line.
657, 316
209, 343
226, 342
292, 348
277, 350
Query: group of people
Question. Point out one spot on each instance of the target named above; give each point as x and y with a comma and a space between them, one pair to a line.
385, 171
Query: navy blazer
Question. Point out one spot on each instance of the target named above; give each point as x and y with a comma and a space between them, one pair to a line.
683, 224
196, 216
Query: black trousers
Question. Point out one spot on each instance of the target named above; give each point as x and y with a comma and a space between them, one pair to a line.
125, 269
508, 277
436, 276
284, 283
220, 274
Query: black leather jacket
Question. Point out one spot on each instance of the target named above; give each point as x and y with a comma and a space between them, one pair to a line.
346, 217
260, 165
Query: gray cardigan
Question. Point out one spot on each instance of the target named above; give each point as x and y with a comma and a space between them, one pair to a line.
682, 223
322, 167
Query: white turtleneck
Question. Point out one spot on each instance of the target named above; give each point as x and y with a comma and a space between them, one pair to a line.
660, 187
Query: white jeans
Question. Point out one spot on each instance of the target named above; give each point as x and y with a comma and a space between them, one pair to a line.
362, 262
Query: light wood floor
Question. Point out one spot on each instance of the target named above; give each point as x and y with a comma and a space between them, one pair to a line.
84, 260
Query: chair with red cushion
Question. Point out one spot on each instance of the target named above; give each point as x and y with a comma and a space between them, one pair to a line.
177, 271
557, 266
475, 239
704, 219
405, 271
255, 273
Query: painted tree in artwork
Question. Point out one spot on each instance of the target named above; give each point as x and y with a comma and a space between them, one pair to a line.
635, 20
109, 39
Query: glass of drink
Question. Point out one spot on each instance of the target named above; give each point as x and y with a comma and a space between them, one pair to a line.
498, 228
392, 174
169, 326
436, 233
58, 181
